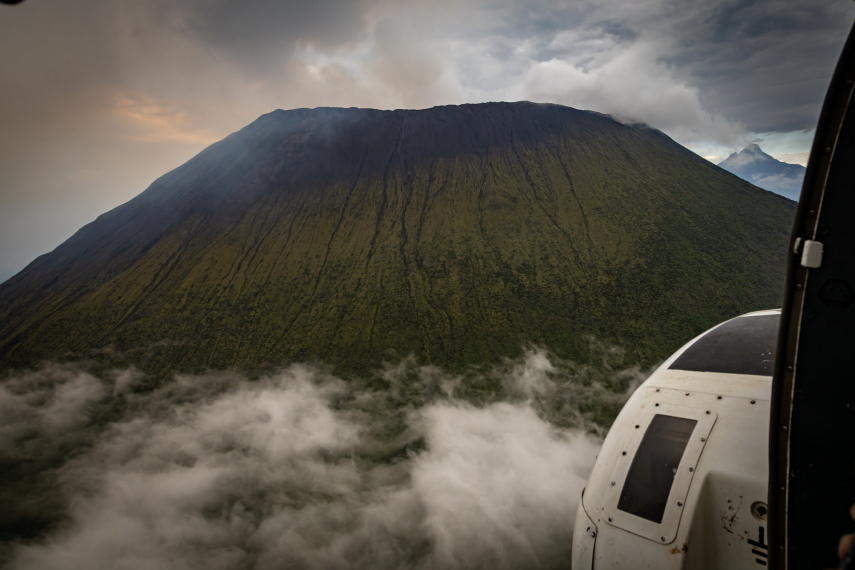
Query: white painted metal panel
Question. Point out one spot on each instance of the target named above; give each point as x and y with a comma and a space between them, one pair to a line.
584, 540
715, 528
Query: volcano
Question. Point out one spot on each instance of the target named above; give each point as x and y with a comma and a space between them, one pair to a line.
458, 234
765, 171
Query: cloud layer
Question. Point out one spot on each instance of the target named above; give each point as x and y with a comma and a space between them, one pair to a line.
304, 470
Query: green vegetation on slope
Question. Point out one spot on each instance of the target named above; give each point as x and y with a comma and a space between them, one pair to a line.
457, 233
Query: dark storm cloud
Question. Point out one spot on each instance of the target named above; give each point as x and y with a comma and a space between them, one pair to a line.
257, 35
618, 29
542, 19
255, 26
763, 64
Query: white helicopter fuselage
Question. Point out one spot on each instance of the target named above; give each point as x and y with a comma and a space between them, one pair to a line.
681, 479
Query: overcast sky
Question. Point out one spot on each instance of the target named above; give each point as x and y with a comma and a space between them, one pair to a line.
99, 98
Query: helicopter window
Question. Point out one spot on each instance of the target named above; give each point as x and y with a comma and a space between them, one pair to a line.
745, 345
651, 475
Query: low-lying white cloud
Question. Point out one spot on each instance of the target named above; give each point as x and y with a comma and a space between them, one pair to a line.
47, 407
304, 470
500, 486
800, 158
779, 182
631, 83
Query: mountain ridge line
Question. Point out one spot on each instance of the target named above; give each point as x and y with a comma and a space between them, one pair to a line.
458, 233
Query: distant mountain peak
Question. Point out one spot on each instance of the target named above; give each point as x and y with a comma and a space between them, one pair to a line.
767, 172
749, 155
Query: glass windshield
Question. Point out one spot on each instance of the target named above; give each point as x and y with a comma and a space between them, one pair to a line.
648, 483
745, 345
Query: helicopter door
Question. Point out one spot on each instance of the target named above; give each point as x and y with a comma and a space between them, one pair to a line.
812, 461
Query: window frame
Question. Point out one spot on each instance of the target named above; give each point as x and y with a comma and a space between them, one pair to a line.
666, 531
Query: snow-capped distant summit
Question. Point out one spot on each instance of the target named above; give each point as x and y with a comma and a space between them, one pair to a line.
767, 172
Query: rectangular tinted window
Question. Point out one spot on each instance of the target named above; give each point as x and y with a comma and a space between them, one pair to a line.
648, 483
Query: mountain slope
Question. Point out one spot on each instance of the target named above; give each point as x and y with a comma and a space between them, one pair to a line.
458, 233
767, 172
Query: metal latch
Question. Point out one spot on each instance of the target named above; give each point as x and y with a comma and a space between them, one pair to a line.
812, 254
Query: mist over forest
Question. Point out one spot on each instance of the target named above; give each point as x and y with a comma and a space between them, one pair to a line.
411, 467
